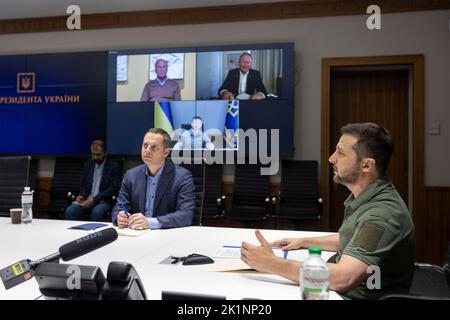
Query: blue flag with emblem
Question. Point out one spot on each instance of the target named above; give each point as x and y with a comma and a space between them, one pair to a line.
163, 116
232, 122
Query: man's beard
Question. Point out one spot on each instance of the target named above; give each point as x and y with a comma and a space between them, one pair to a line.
349, 177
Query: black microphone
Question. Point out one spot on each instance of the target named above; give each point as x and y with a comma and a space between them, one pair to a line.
87, 244
24, 270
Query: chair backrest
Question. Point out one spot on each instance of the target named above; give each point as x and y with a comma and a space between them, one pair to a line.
299, 192
430, 282
131, 163
67, 177
213, 189
250, 187
120, 161
250, 194
206, 196
197, 175
15, 174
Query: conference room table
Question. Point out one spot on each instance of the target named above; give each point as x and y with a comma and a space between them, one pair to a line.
149, 252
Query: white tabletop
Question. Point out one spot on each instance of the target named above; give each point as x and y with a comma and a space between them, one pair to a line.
145, 252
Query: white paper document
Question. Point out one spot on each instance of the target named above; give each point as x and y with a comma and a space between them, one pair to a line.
234, 252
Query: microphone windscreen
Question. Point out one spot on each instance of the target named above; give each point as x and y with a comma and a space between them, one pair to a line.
87, 244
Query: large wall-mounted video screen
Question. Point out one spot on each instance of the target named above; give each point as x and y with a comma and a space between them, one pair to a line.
200, 95
52, 104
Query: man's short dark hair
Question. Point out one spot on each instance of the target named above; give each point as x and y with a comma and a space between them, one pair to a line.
167, 141
98, 144
197, 118
245, 54
373, 141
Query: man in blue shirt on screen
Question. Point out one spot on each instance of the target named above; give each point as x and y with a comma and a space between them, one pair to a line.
194, 138
157, 194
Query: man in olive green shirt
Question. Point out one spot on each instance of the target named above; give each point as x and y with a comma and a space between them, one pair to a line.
377, 233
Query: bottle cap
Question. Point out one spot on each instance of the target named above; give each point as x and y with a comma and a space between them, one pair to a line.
27, 188
315, 251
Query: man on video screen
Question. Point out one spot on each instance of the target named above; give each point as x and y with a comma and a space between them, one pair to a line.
243, 82
162, 88
194, 138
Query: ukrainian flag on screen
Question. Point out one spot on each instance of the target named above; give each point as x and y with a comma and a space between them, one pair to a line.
232, 121
163, 116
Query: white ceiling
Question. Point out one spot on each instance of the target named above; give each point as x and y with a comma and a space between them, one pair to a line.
15, 9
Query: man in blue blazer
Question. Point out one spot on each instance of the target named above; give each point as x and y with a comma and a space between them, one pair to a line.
157, 194
99, 184
243, 82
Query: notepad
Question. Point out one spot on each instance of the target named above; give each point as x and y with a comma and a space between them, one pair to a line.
127, 232
89, 226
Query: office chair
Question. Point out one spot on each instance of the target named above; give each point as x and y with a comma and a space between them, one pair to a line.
299, 192
65, 184
250, 194
15, 174
208, 188
430, 282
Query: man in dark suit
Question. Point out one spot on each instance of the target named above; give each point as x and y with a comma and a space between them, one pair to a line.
100, 182
243, 81
157, 194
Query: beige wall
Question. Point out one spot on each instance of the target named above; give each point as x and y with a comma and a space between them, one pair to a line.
315, 38
131, 90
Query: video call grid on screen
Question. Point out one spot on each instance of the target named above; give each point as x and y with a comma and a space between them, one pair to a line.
200, 71
199, 74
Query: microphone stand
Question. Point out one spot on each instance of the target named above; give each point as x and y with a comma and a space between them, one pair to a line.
203, 192
28, 170
51, 258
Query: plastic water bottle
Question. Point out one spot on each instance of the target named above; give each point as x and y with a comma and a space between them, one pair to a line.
314, 276
27, 204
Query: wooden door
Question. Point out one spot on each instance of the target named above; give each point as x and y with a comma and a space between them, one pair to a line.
379, 96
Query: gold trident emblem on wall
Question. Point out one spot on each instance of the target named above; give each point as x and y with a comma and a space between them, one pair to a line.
26, 82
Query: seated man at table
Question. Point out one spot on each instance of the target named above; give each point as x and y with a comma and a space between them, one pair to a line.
99, 183
377, 229
243, 82
157, 194
194, 138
